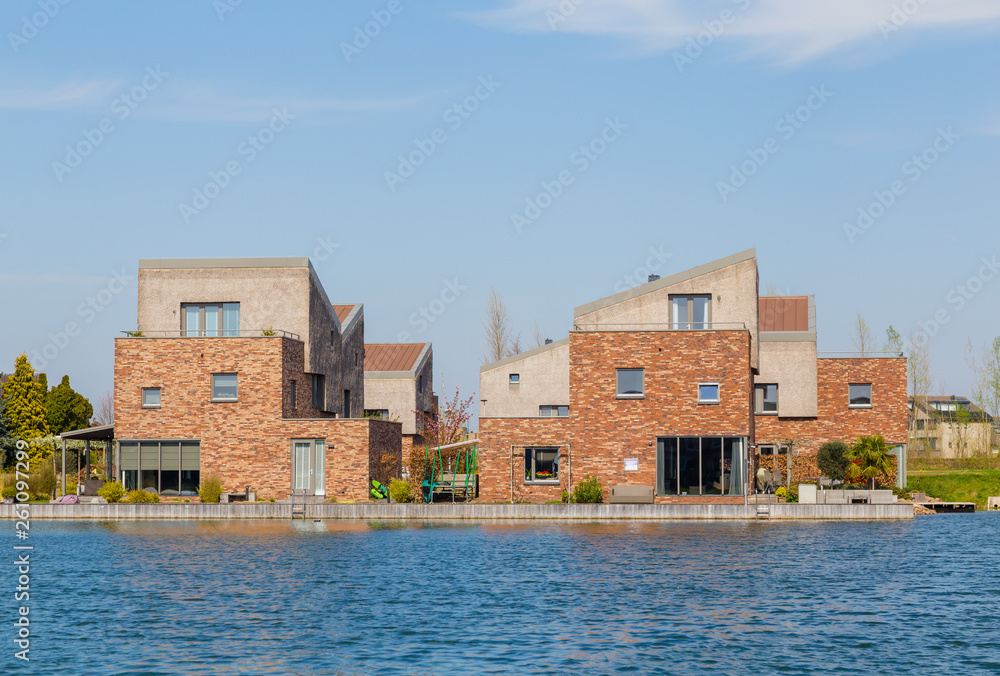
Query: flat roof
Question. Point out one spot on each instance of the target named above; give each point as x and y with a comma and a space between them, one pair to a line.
195, 263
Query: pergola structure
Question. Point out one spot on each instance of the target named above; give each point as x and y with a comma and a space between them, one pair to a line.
105, 433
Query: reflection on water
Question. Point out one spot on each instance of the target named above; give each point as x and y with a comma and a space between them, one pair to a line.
336, 597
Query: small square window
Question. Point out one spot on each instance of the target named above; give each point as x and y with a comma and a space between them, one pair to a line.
515, 378
541, 465
630, 383
860, 395
151, 397
223, 387
708, 393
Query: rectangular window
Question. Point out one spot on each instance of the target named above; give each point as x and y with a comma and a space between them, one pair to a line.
347, 403
319, 391
224, 387
860, 395
765, 399
420, 383
292, 388
700, 466
151, 397
630, 382
553, 411
541, 465
708, 393
377, 413
308, 466
515, 378
210, 319
690, 312
166, 467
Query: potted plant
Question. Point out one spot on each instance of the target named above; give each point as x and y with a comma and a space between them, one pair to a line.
8, 494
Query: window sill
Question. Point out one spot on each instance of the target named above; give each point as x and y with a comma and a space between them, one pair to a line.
225, 401
774, 413
859, 406
630, 396
150, 407
709, 403
554, 482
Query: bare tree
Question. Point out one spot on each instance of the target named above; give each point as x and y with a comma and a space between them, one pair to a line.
862, 337
514, 346
985, 376
104, 411
496, 328
537, 336
918, 366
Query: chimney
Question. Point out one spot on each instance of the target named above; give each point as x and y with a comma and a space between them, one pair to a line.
653, 278
548, 341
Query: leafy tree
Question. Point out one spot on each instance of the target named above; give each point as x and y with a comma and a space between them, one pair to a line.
870, 458
7, 440
893, 341
67, 409
440, 428
25, 402
832, 461
862, 337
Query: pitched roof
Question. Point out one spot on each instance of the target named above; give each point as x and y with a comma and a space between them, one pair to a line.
783, 313
393, 356
342, 311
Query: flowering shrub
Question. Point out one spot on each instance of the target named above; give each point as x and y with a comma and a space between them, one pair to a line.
782, 492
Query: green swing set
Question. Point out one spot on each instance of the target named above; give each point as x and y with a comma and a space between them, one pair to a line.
464, 485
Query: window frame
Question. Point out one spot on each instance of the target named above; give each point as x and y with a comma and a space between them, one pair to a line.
642, 383
556, 410
718, 394
871, 396
159, 397
226, 400
201, 331
689, 323
318, 391
532, 481
759, 403
291, 386
514, 378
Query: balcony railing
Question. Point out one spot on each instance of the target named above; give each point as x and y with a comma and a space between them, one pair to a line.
859, 355
670, 326
214, 333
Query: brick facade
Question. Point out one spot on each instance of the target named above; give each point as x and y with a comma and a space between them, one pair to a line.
247, 442
501, 469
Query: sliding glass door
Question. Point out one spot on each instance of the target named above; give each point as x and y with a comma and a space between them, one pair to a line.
700, 465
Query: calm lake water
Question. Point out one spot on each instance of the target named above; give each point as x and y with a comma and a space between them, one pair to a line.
522, 598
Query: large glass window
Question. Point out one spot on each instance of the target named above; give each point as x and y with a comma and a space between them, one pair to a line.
690, 312
167, 467
699, 466
541, 465
224, 387
765, 399
210, 319
629, 382
860, 395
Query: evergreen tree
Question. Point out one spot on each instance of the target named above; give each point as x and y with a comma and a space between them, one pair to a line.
25, 402
67, 409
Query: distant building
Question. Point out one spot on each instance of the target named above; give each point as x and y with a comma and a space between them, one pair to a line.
951, 426
244, 369
686, 384
399, 383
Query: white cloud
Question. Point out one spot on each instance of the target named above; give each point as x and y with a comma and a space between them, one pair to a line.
790, 31
182, 100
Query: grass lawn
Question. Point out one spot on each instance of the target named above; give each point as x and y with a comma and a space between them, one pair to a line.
971, 485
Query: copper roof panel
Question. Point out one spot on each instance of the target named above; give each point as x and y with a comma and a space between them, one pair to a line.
784, 313
392, 356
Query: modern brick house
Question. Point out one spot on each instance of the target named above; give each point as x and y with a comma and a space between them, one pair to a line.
399, 381
951, 426
683, 384
244, 369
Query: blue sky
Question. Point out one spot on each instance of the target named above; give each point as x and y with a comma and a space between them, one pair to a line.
726, 125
